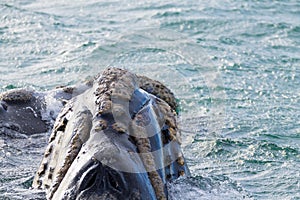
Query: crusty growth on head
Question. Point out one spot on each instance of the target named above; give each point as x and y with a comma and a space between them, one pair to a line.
104, 111
119, 85
18, 95
159, 90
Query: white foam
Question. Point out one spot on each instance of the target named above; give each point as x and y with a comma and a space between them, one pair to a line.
52, 106
55, 99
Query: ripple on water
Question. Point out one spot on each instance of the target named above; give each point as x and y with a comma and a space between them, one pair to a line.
19, 161
254, 164
242, 130
211, 187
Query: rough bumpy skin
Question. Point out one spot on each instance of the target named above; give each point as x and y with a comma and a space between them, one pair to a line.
117, 140
159, 90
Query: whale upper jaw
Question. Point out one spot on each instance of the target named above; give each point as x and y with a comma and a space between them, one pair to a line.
114, 141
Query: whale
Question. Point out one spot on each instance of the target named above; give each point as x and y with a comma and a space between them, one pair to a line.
115, 138
24, 112
19, 110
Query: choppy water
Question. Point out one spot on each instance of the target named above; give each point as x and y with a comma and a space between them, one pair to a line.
234, 65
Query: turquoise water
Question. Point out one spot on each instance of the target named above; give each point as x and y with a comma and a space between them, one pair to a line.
234, 66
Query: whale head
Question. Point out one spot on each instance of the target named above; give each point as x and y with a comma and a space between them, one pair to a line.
117, 140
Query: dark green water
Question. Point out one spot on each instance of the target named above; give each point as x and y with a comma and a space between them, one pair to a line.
234, 65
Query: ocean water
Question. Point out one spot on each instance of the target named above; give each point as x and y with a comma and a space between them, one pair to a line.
234, 66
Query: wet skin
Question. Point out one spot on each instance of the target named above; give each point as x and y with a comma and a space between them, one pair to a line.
21, 110
116, 140
21, 114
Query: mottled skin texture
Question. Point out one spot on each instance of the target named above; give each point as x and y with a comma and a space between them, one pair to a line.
117, 140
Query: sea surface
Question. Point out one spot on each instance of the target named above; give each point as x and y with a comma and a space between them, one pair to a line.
234, 66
